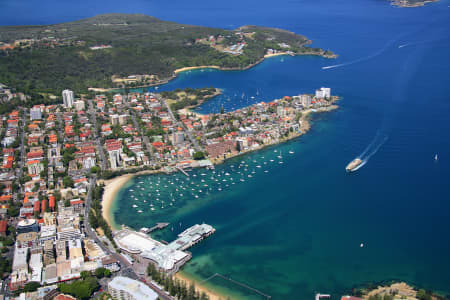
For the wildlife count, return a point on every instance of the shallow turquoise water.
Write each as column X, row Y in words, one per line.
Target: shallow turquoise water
column 297, row 229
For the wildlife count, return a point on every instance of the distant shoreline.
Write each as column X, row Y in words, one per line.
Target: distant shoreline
column 409, row 4
column 185, row 69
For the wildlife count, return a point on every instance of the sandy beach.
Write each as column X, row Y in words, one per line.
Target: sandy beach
column 195, row 68
column 213, row 295
column 277, row 54
column 112, row 186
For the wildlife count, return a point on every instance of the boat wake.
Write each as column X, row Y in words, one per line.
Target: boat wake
column 372, row 149
column 373, row 55
column 331, row 67
column 436, row 40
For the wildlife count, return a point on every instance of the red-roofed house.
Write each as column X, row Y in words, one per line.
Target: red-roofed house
column 5, row 198
column 51, row 202
column 3, row 227
column 159, row 146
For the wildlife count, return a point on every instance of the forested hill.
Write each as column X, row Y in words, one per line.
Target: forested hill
column 87, row 53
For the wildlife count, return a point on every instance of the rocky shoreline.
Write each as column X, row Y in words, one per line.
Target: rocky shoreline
column 411, row 3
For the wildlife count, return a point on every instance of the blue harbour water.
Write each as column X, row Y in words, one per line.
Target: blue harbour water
column 296, row 229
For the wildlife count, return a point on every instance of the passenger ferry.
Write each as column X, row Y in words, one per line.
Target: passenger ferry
column 354, row 165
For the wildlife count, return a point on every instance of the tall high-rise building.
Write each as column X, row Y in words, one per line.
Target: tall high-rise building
column 323, row 93
column 67, row 98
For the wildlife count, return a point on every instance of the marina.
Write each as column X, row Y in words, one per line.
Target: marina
column 150, row 195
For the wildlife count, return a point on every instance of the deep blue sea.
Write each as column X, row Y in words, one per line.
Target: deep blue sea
column 297, row 229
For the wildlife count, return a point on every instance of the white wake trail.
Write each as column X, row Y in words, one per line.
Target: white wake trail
column 373, row 148
column 375, row 54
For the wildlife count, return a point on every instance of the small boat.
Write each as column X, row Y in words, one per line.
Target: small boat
column 291, row 152
column 354, row 165
column 436, row 157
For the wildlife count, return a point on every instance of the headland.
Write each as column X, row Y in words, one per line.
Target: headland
column 411, row 3
column 168, row 48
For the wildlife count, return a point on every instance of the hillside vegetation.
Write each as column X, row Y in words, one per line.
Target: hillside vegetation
column 51, row 58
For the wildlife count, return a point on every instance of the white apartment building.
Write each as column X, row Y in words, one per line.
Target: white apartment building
column 67, row 98
column 35, row 113
column 323, row 93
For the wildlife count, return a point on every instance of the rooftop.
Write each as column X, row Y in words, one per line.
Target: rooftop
column 140, row 243
column 136, row 289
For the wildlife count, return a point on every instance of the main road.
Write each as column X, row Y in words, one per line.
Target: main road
column 100, row 151
column 189, row 134
column 125, row 265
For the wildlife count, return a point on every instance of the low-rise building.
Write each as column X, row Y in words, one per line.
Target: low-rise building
column 124, row 288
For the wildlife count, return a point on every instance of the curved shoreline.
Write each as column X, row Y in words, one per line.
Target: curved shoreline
column 185, row 69
column 112, row 187
column 212, row 294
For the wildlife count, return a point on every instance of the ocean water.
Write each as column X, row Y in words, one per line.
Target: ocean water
column 297, row 229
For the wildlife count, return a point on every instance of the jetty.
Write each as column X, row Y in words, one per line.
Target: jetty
column 182, row 171
column 156, row 227
column 319, row 296
column 167, row 257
